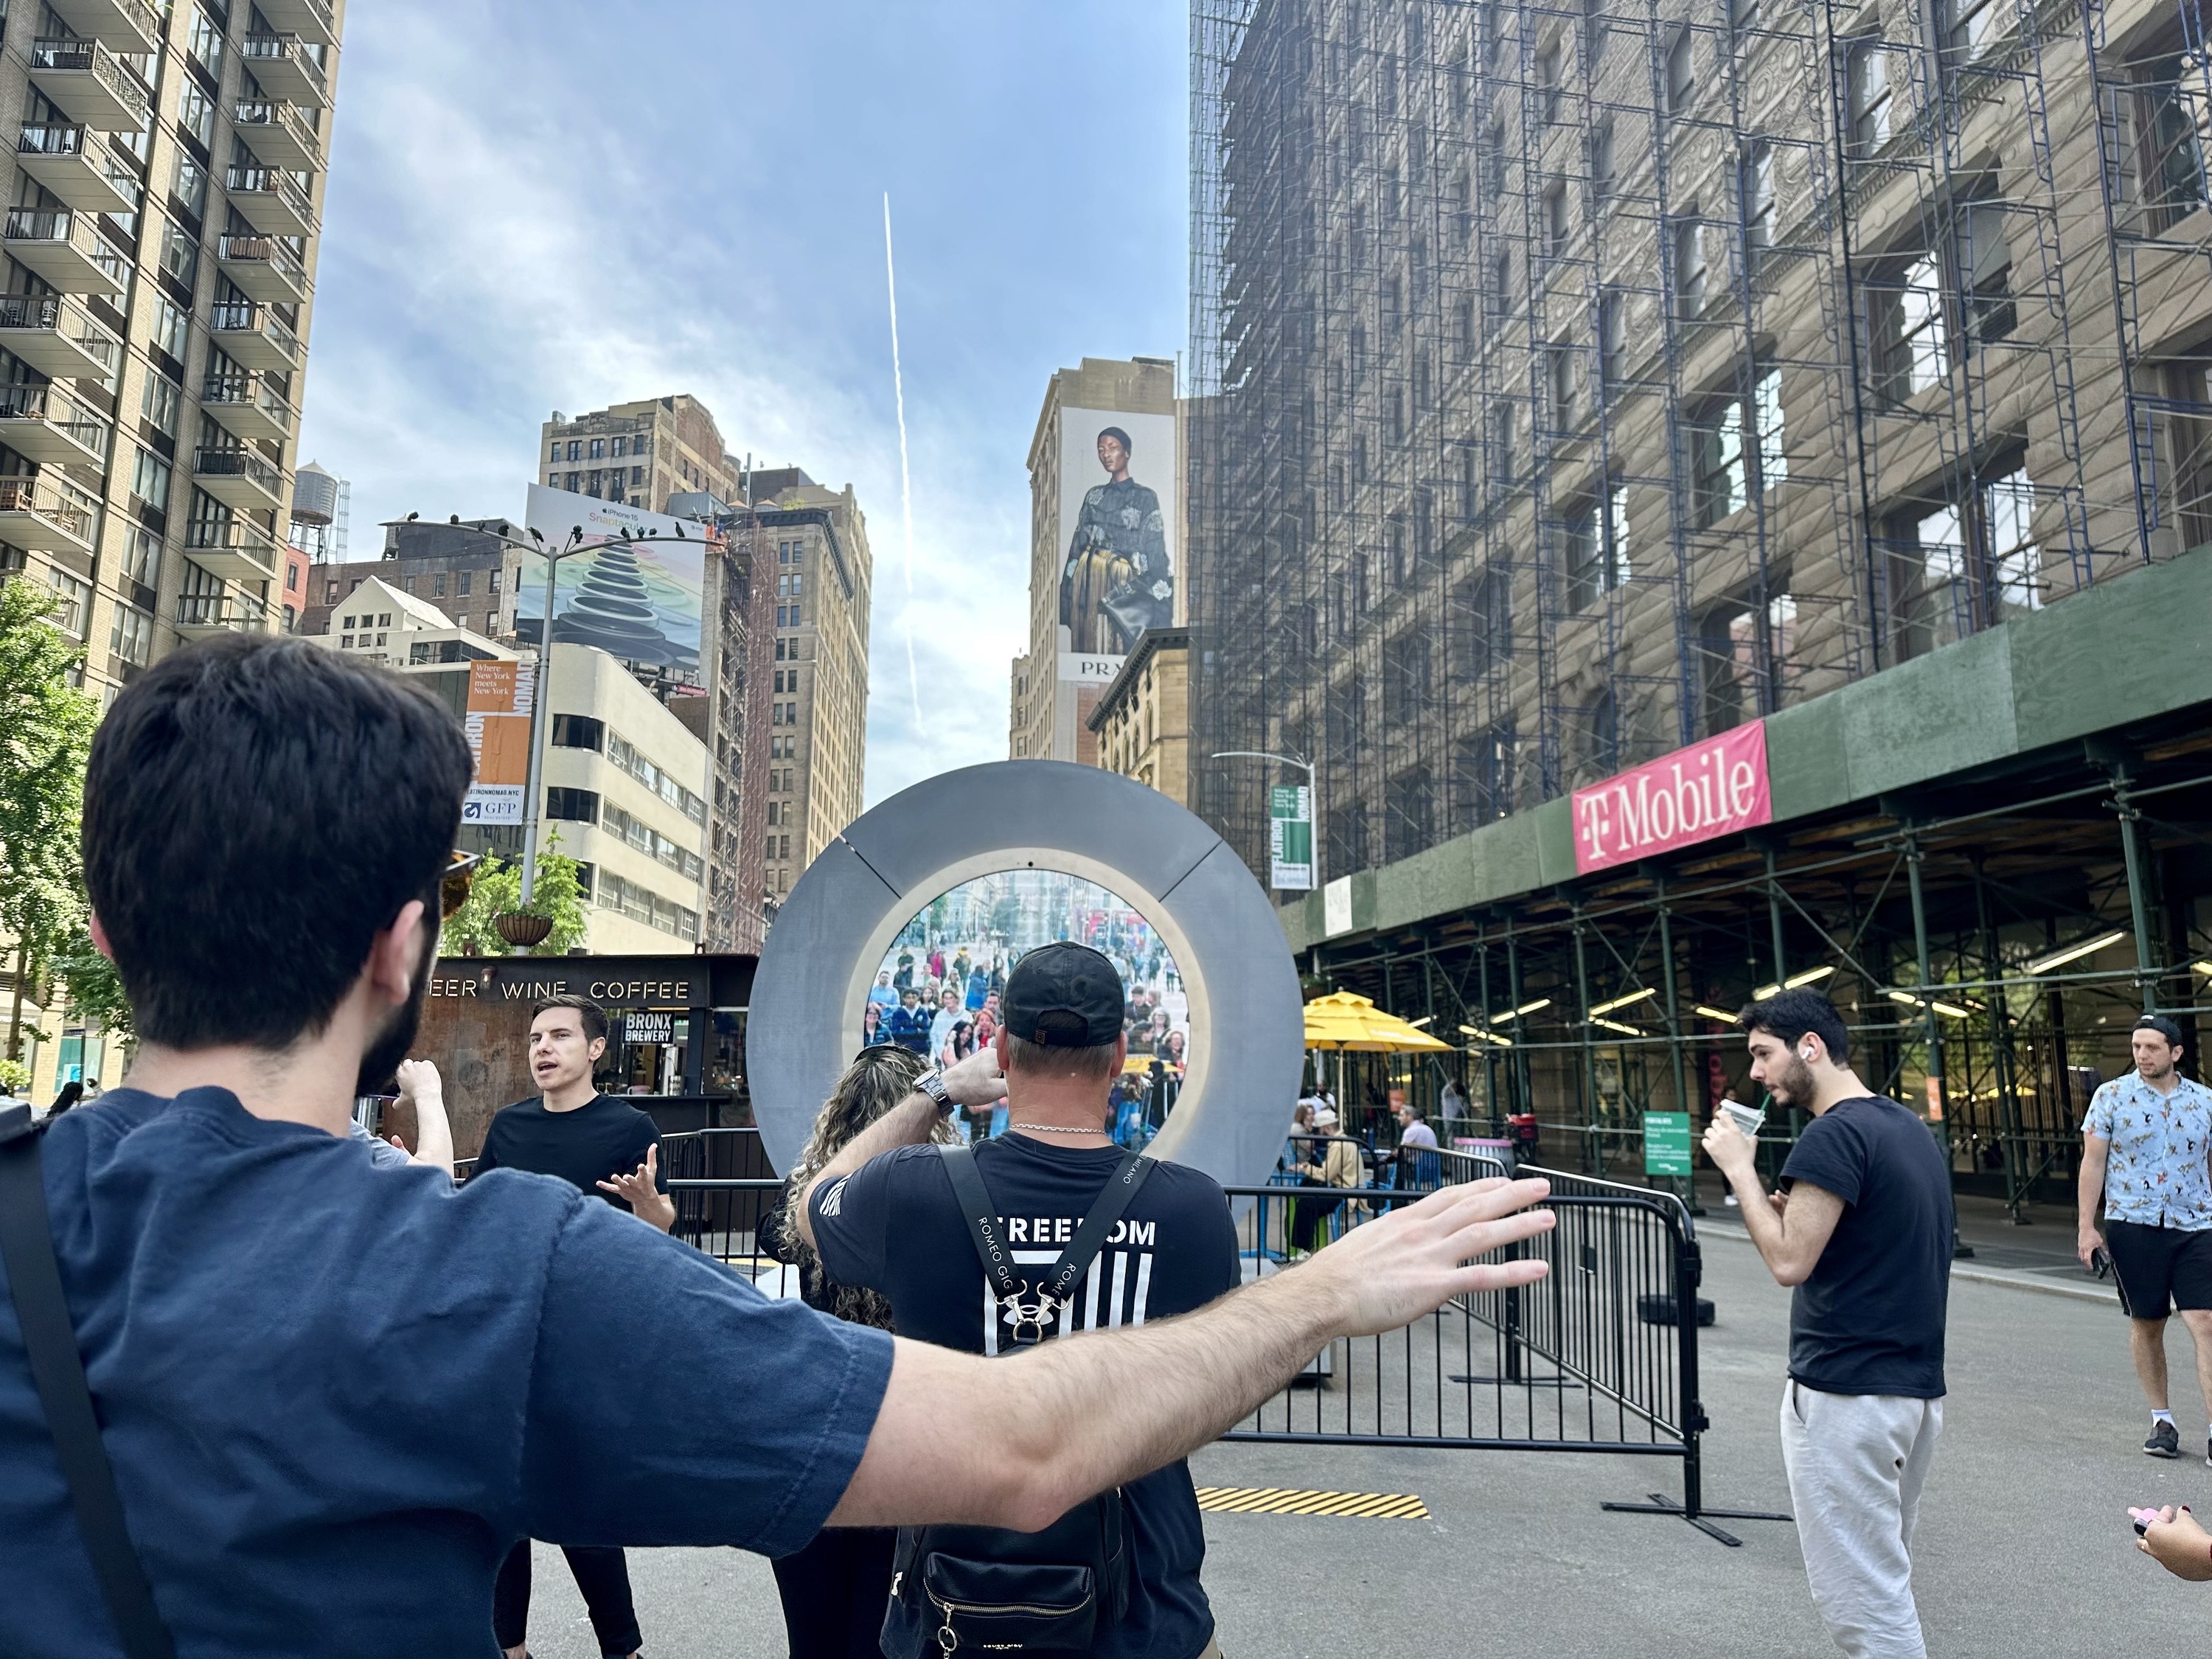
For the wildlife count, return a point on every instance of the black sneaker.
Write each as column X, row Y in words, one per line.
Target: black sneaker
column 2166, row 1441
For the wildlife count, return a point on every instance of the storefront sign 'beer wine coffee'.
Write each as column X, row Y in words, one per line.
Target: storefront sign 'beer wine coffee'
column 1717, row 787
column 498, row 727
column 1289, row 838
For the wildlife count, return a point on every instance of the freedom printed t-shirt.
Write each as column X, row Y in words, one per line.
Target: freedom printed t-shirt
column 2156, row 1175
column 894, row 1226
column 334, row 1395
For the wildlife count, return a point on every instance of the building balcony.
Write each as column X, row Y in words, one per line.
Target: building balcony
column 280, row 64
column 126, row 25
column 246, row 406
column 87, row 83
column 72, row 163
column 235, row 550
column 263, row 268
column 311, row 20
column 270, row 200
column 58, row 337
column 47, row 516
column 252, row 335
column 65, row 249
column 239, row 478
column 44, row 424
column 280, row 134
column 200, row 615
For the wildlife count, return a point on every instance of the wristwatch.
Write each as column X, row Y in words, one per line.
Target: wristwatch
column 932, row 1083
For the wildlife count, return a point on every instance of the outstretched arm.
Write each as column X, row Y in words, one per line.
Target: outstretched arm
column 421, row 1087
column 1017, row 1441
column 974, row 1081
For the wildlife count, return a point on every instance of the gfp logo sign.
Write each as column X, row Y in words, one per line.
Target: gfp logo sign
column 1712, row 788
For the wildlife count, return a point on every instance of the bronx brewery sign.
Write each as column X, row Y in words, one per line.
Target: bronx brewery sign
column 1712, row 788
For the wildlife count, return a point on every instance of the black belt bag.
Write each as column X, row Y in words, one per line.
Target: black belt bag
column 1052, row 1591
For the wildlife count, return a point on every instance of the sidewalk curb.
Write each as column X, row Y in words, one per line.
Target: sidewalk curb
column 1998, row 1276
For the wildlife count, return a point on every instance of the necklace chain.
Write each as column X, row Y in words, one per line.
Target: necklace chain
column 1054, row 1129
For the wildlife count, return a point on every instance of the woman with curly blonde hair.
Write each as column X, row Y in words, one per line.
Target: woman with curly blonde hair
column 836, row 1589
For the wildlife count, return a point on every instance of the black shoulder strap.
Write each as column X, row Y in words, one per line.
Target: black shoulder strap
column 1074, row 1261
column 26, row 1246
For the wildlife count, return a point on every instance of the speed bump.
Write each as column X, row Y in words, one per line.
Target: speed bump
column 1278, row 1500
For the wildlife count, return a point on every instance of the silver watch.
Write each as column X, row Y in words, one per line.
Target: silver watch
column 932, row 1083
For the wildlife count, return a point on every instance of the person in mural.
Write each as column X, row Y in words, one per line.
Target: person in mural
column 1117, row 582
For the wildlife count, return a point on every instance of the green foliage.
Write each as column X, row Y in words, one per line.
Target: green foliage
column 559, row 893
column 46, row 734
column 95, row 990
column 15, row 1076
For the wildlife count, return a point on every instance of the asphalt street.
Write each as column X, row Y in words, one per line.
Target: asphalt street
column 2024, row 1550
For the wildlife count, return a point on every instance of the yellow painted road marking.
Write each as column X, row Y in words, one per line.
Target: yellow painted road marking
column 1275, row 1500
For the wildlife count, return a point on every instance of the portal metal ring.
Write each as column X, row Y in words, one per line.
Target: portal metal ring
column 829, row 938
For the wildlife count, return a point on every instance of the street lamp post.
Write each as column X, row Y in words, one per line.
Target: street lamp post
column 1313, row 788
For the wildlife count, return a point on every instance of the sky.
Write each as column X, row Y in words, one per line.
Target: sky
column 564, row 205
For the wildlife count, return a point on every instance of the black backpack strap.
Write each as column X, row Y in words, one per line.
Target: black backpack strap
column 26, row 1246
column 1074, row 1261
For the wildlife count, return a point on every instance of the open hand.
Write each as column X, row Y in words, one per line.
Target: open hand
column 1392, row 1271
column 641, row 1190
column 2177, row 1543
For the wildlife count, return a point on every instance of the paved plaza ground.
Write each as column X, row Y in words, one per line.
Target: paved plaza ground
column 2024, row 1550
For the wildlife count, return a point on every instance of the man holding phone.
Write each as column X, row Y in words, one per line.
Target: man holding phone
column 2143, row 1148
column 1861, row 1230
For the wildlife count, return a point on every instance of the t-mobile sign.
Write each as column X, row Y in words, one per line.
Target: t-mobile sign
column 1715, row 787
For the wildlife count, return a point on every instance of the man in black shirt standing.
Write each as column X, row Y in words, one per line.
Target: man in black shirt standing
column 1862, row 1228
column 882, row 1214
column 602, row 1144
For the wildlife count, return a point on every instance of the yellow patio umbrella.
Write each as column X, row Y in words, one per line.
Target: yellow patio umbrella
column 1343, row 1021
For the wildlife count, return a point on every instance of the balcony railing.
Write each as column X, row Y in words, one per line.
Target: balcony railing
column 238, row 463
column 69, row 509
column 235, row 317
column 262, row 250
column 89, row 56
column 216, row 610
column 56, row 314
column 248, row 391
column 256, row 115
column 272, row 181
column 235, row 537
column 73, row 230
column 258, row 50
column 54, row 407
column 51, row 139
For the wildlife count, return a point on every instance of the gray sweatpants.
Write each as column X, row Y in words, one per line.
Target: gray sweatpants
column 1857, row 1462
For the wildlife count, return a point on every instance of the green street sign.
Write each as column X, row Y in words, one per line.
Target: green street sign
column 1667, row 1143
column 1290, row 843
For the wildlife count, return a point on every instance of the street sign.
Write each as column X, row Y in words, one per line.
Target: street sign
column 1667, row 1143
column 1289, row 838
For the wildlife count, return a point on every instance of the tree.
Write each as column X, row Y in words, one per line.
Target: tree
column 46, row 735
column 558, row 893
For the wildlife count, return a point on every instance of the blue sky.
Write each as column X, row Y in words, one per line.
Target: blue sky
column 559, row 206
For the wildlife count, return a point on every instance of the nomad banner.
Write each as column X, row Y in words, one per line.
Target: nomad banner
column 498, row 727
column 1717, row 787
column 1289, row 838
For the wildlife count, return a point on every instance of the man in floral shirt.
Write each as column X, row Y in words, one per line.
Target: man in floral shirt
column 2146, row 1141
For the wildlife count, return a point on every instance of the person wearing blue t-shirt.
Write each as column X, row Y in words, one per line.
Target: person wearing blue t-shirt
column 1861, row 1229
column 251, row 1297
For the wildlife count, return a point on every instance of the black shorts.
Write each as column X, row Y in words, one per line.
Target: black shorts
column 2159, row 1268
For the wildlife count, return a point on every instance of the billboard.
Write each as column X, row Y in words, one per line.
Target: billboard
column 640, row 603
column 1120, row 511
column 498, row 728
column 1289, row 838
column 1717, row 787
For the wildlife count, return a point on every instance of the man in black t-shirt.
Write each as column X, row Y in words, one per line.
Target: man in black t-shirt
column 1862, row 1228
column 893, row 1225
column 599, row 1144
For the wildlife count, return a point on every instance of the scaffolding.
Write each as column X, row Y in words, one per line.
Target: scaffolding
column 1573, row 380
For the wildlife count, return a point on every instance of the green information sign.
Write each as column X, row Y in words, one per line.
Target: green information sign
column 1667, row 1143
column 1290, row 831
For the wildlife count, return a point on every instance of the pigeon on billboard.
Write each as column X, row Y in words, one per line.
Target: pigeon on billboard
column 641, row 602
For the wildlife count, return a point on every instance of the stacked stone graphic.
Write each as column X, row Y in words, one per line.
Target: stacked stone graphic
column 612, row 611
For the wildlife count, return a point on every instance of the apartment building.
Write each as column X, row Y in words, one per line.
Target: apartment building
column 462, row 568
column 390, row 625
column 1140, row 726
column 819, row 687
column 638, row 453
column 162, row 243
column 1082, row 624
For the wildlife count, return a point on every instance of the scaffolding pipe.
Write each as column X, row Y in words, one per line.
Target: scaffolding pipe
column 2138, row 910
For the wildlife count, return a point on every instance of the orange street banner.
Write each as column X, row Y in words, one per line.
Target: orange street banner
column 498, row 726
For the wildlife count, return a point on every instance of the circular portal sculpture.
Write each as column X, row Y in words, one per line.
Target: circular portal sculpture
column 829, row 938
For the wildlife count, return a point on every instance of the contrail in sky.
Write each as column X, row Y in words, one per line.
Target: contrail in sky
column 906, row 486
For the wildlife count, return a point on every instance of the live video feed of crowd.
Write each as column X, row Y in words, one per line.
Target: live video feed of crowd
column 939, row 989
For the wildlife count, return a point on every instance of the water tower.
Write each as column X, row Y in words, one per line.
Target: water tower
column 318, row 503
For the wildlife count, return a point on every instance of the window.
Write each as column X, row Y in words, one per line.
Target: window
column 1407, row 679
column 1547, row 82
column 1681, row 74
column 636, row 477
column 150, row 480
column 1757, row 177
column 1773, row 458
column 576, row 482
column 188, row 183
column 1740, row 663
column 1869, row 96
column 1602, row 165
column 180, row 253
column 171, row 329
column 291, row 576
column 576, row 449
column 621, row 447
column 1908, row 337
column 1555, row 221
column 1984, row 261
column 1593, row 35
column 438, row 585
column 131, row 635
column 461, row 583
column 572, row 805
column 1559, row 371
column 1611, row 339
column 160, row 403
column 578, row 732
column 1970, row 27
column 492, row 587
column 72, row 613
column 2172, row 114
column 1689, row 266
column 2184, row 431
column 1409, row 814
column 1483, row 620
column 1482, row 776
column 555, row 454
column 1595, row 537
column 1600, row 735
column 331, row 593
column 196, row 114
column 1720, row 482
column 1961, row 561
column 599, row 449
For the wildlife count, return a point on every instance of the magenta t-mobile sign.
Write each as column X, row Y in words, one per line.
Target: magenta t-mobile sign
column 1715, row 787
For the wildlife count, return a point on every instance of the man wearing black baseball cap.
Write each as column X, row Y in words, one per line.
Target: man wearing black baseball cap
column 894, row 1224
